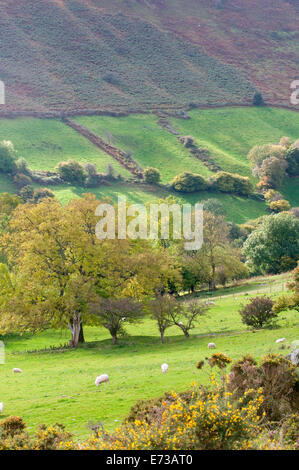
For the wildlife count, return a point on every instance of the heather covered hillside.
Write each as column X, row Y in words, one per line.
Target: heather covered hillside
column 129, row 54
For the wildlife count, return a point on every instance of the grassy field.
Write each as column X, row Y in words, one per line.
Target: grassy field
column 150, row 144
column 238, row 209
column 230, row 133
column 44, row 143
column 58, row 386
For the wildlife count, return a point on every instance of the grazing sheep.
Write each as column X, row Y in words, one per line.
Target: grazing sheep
column 1, row 408
column 164, row 368
column 211, row 346
column 17, row 371
column 124, row 318
column 280, row 340
column 101, row 379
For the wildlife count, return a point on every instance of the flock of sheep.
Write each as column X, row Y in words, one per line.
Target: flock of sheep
column 105, row 377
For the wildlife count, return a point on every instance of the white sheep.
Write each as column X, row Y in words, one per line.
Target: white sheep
column 181, row 323
column 101, row 379
column 16, row 370
column 211, row 303
column 1, row 408
column 164, row 368
column 211, row 346
column 280, row 340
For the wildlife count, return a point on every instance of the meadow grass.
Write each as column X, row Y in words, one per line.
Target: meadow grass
column 229, row 133
column 46, row 142
column 58, row 386
column 149, row 143
column 238, row 209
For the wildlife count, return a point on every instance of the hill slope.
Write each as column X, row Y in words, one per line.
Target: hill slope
column 120, row 54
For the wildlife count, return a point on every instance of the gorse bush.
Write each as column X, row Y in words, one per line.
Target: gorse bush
column 276, row 376
column 232, row 183
column 189, row 182
column 152, row 175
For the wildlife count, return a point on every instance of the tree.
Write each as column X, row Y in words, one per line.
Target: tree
column 71, row 171
column 152, row 175
column 113, row 314
column 273, row 242
column 290, row 302
column 215, row 234
column 7, row 157
column 161, row 309
column 215, row 206
column 259, row 153
column 258, row 312
column 61, row 267
column 292, row 158
column 274, row 169
column 258, row 99
column 189, row 182
column 186, row 316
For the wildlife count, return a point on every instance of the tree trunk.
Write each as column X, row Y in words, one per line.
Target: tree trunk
column 162, row 337
column 186, row 333
column 81, row 335
column 75, row 327
column 114, row 339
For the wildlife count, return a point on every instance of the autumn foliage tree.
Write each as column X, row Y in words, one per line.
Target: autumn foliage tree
column 59, row 267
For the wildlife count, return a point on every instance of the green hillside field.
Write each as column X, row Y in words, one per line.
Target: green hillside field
column 57, row 385
column 228, row 133
column 46, row 142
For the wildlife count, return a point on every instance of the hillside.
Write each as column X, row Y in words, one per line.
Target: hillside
column 132, row 54
column 53, row 390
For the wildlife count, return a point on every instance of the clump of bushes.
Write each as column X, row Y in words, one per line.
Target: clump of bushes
column 232, row 183
column 29, row 194
column 71, row 172
column 280, row 205
column 13, row 436
column 152, row 175
column 7, row 157
column 276, row 376
column 189, row 182
column 258, row 312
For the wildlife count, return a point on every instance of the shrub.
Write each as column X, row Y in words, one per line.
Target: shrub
column 258, row 313
column 232, row 183
column 27, row 193
column 292, row 158
column 189, row 182
column 285, row 142
column 215, row 206
column 258, row 99
column 22, row 166
column 280, row 205
column 7, row 157
column 43, row 193
column 11, row 426
column 21, row 180
column 275, row 375
column 274, row 169
column 152, row 175
column 71, row 171
column 204, row 421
